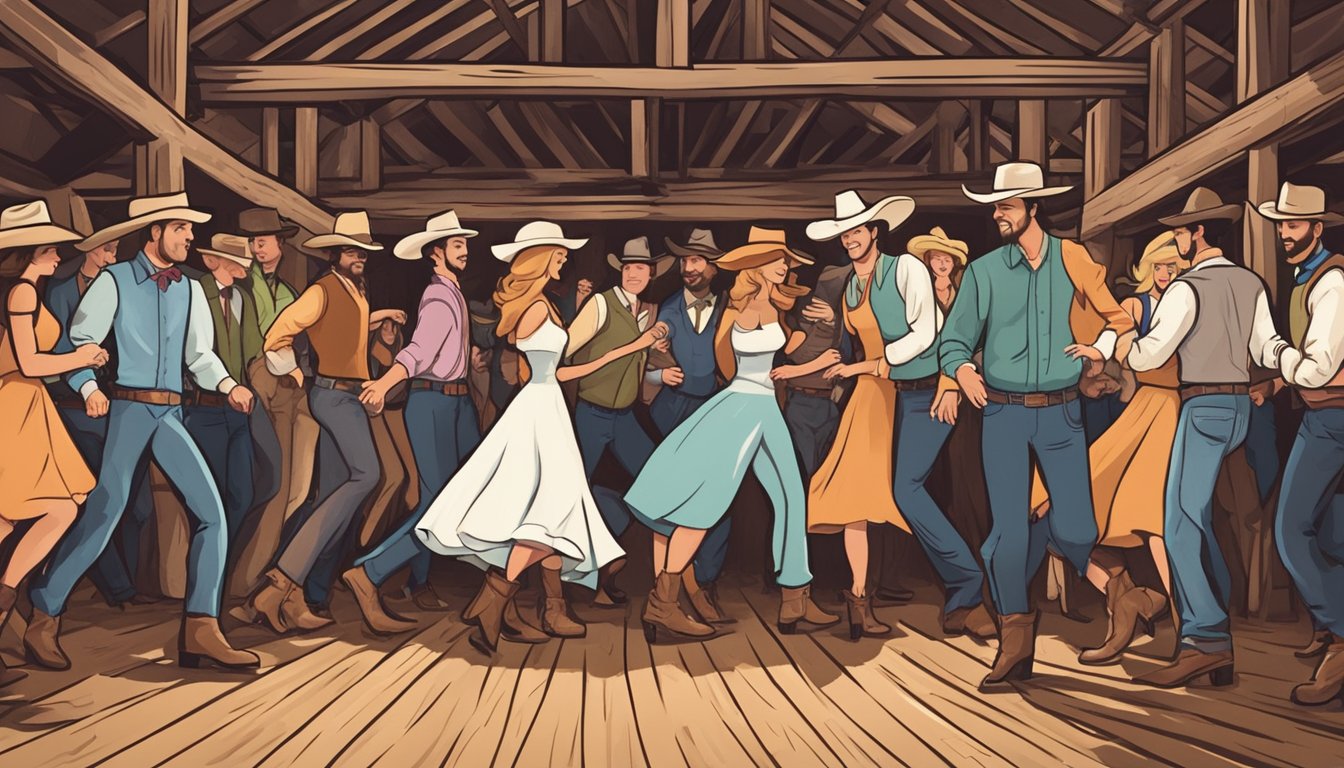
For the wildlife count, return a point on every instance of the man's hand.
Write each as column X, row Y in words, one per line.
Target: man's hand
column 783, row 372
column 819, row 311
column 945, row 408
column 479, row 362
column 90, row 356
column 373, row 396
column 240, row 399
column 1091, row 356
column 395, row 315
column 96, row 404
column 972, row 385
column 673, row 377
column 1266, row 390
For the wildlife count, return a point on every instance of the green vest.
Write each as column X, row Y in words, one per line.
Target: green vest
column 268, row 306
column 615, row 385
column 237, row 344
column 1298, row 317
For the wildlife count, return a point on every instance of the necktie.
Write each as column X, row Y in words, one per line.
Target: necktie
column 164, row 277
column 698, row 306
column 226, row 298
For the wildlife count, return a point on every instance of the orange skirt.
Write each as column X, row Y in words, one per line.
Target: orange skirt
column 854, row 483
column 39, row 463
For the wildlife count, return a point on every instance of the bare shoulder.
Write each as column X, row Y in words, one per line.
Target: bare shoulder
column 22, row 298
column 532, row 319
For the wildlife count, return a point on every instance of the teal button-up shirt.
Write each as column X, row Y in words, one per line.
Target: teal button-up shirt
column 1022, row 314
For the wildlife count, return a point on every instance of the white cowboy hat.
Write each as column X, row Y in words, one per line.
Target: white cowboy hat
column 107, row 234
column 851, row 211
column 535, row 233
column 1299, row 201
column 636, row 251
column 350, row 229
column 29, row 224
column 230, row 247
column 1015, row 180
column 937, row 240
column 144, row 211
column 440, row 227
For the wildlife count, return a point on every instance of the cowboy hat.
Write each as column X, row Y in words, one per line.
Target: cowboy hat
column 255, row 222
column 144, row 211
column 1203, row 205
column 937, row 240
column 636, row 251
column 851, row 211
column 350, row 229
column 106, row 235
column 532, row 234
column 440, row 227
column 230, row 247
column 700, row 244
column 762, row 247
column 1015, row 180
column 1299, row 201
column 29, row 224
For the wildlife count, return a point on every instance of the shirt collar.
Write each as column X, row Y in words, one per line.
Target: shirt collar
column 1307, row 268
column 1216, row 258
column 690, row 298
column 1014, row 254
column 626, row 299
column 143, row 267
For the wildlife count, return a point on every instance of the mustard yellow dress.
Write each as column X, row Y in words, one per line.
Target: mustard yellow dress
column 854, row 483
column 38, row 461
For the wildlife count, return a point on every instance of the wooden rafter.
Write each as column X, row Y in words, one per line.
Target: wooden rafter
column 221, row 18
column 300, row 29
column 368, row 25
column 118, row 28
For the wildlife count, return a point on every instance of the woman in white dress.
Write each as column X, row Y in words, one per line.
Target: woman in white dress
column 522, row 497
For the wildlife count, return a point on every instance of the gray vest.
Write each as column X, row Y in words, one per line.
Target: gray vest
column 1217, row 349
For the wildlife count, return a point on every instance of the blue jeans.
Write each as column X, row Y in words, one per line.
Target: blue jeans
column 1210, row 427
column 668, row 410
column 443, row 430
column 133, row 428
column 920, row 438
column 225, row 439
column 1099, row 414
column 113, row 577
column 1310, row 517
column 598, row 428
column 813, row 422
column 1016, row 546
column 1262, row 447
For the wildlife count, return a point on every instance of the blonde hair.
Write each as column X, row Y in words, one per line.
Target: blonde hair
column 520, row 289
column 1160, row 250
column 749, row 283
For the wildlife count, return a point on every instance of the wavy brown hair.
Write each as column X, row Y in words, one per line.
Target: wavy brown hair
column 749, row 283
column 522, row 287
column 13, row 262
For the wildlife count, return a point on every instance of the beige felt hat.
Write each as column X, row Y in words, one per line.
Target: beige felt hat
column 1203, row 205
column 144, row 211
column 701, row 243
column 636, row 251
column 851, row 211
column 440, row 227
column 350, row 229
column 1299, row 201
column 1015, row 180
column 230, row 247
column 760, row 249
column 29, row 224
column 937, row 240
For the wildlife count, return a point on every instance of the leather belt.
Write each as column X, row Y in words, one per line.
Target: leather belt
column 813, row 391
column 344, row 385
column 916, row 385
column 1195, row 390
column 456, row 388
column 146, row 396
column 68, row 401
column 203, row 399
column 1032, row 399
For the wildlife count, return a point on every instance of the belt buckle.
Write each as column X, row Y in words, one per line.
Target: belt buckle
column 1036, row 399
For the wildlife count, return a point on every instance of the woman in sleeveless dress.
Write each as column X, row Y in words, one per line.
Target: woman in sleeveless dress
column 690, row 480
column 1129, row 469
column 42, row 476
column 522, row 498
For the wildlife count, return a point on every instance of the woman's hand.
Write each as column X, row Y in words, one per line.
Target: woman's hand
column 653, row 335
column 783, row 372
column 945, row 409
column 90, row 356
column 395, row 315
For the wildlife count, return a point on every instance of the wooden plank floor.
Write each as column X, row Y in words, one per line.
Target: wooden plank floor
column 748, row 697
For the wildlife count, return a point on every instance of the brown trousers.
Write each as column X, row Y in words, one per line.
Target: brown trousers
column 399, row 474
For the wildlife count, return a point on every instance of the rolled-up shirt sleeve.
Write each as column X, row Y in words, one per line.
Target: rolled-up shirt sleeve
column 1318, row 361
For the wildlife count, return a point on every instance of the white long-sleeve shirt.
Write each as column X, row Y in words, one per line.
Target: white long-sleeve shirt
column 1318, row 361
column 915, row 285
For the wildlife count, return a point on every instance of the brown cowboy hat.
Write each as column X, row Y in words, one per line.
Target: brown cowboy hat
column 255, row 222
column 636, row 251
column 760, row 249
column 1203, row 205
column 701, row 243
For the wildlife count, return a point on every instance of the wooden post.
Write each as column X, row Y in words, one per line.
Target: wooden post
column 755, row 30
column 1262, row 63
column 305, row 150
column 673, row 45
column 159, row 164
column 1032, row 142
column 553, row 31
column 977, row 141
column 370, row 154
column 1101, row 162
column 947, row 157
column 645, row 121
column 270, row 140
column 1166, row 87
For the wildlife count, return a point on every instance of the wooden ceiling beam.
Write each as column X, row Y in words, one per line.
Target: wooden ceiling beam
column 398, row 37
column 300, row 29
column 470, row 124
column 371, row 24
column 221, row 18
column 785, row 133
column 118, row 28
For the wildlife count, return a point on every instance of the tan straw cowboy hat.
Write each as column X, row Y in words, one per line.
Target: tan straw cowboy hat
column 144, row 211
column 851, row 211
column 1011, row 180
column 1203, row 205
column 350, row 229
column 937, row 240
column 231, row 248
column 29, row 224
column 533, row 234
column 1299, row 201
column 107, row 234
column 636, row 251
column 440, row 227
column 762, row 247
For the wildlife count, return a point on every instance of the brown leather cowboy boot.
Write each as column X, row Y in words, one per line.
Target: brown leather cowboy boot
column 1192, row 663
column 42, row 642
column 512, row 625
column 608, row 594
column 495, row 595
column 1134, row 610
column 555, row 618
column 1326, row 684
column 861, row 619
column 663, row 609
column 796, row 605
column 7, row 599
column 1320, row 641
column 201, row 644
column 371, row 606
column 264, row 607
column 975, row 622
column 702, row 599
column 1017, row 651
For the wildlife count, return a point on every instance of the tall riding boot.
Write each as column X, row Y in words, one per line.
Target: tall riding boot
column 201, row 643
column 1017, row 650
column 555, row 618
column 703, row 599
column 608, row 594
column 7, row 599
column 494, row 597
column 664, row 610
column 796, row 605
column 42, row 642
column 1133, row 611
column 861, row 619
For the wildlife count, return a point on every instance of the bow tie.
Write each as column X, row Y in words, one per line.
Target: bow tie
column 164, row 277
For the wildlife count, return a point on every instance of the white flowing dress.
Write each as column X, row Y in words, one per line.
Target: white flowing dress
column 525, row 482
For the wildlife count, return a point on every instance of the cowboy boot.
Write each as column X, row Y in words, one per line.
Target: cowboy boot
column 796, row 605
column 370, row 605
column 512, row 625
column 201, row 644
column 702, row 599
column 1192, row 663
column 1117, row 585
column 1320, row 641
column 496, row 593
column 1017, row 651
column 663, row 609
column 861, row 619
column 42, row 642
column 975, row 622
column 265, row 605
column 1326, row 684
column 7, row 599
column 1133, row 611
column 609, row 595
column 426, row 599
column 555, row 618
